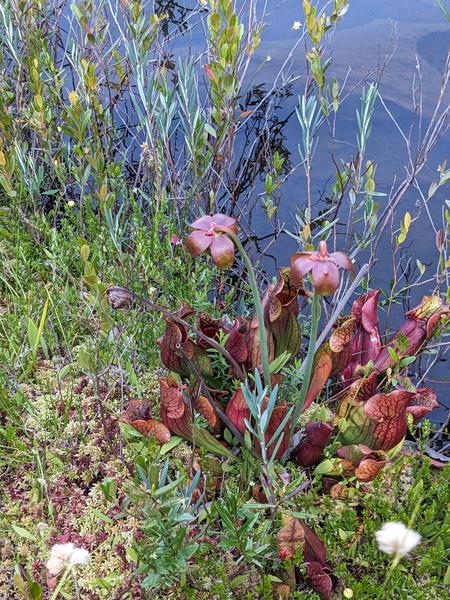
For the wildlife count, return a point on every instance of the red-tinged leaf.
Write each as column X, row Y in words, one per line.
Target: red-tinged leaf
column 430, row 306
column 433, row 322
column 203, row 406
column 339, row 491
column 368, row 312
column 310, row 449
column 359, row 391
column 357, row 453
column 342, row 335
column 237, row 410
column 314, row 549
column 319, row 575
column 378, row 422
column 296, row 534
column 434, row 462
column 423, row 402
column 280, row 305
column 119, row 297
column 278, row 414
column 245, row 113
column 319, row 578
column 173, row 410
column 138, row 413
column 331, row 358
column 414, row 332
column 137, row 409
column 366, row 343
column 153, row 428
column 236, row 343
column 420, row 326
column 253, row 340
column 210, row 327
column 174, row 339
column 210, row 73
column 341, row 344
column 388, row 413
column 322, row 367
column 172, row 398
column 369, row 468
column 289, row 539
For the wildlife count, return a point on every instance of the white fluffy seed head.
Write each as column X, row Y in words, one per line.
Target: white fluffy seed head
column 63, row 555
column 79, row 556
column 59, row 558
column 395, row 538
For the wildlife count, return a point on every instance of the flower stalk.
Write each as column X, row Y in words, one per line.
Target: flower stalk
column 315, row 318
column 257, row 303
column 62, row 581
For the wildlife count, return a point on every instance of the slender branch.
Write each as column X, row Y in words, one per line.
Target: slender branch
column 173, row 317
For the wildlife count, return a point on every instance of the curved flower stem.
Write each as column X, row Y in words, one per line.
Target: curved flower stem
column 315, row 318
column 256, row 301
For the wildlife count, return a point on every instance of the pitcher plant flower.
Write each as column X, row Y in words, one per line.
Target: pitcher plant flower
column 324, row 268
column 206, row 236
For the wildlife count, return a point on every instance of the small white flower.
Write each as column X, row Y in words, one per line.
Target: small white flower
column 64, row 555
column 348, row 593
column 268, row 58
column 296, row 25
column 71, row 204
column 395, row 538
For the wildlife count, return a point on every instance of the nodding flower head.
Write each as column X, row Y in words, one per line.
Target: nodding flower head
column 324, row 268
column 206, row 236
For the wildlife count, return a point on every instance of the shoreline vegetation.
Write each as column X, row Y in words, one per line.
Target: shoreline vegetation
column 178, row 419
